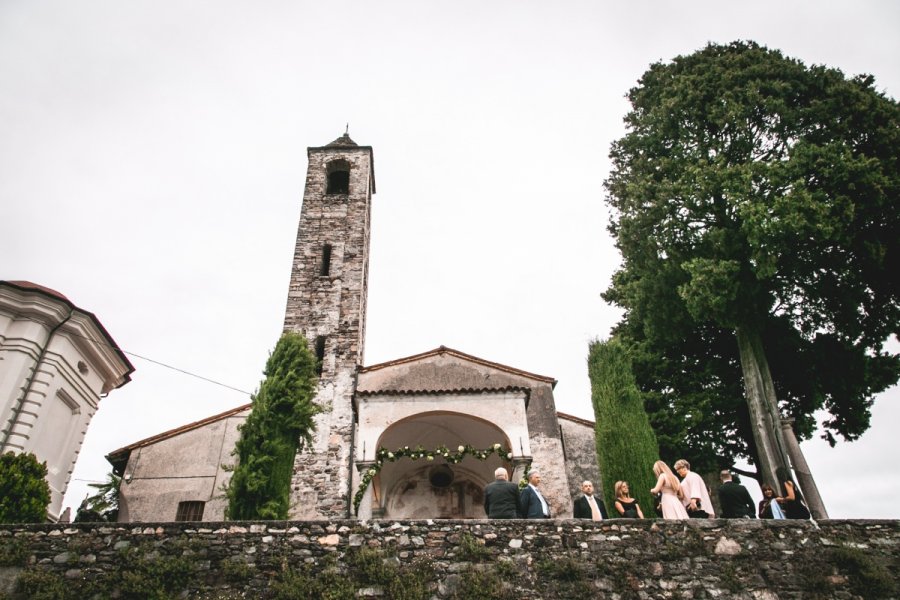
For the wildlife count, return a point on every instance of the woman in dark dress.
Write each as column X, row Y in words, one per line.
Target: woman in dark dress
column 765, row 505
column 791, row 500
column 627, row 506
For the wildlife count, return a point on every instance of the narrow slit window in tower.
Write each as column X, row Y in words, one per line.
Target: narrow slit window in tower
column 320, row 353
column 325, row 267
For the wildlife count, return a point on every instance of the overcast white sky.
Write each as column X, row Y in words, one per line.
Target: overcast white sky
column 153, row 155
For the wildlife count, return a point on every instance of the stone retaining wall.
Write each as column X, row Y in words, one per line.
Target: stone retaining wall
column 454, row 559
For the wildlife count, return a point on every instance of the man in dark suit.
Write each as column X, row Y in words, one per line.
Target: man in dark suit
column 501, row 497
column 735, row 499
column 589, row 506
column 531, row 502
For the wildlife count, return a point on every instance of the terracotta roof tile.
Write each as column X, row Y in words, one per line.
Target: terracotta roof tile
column 120, row 456
column 463, row 355
column 574, row 419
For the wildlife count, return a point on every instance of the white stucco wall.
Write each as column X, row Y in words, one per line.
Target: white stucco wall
column 52, row 376
column 503, row 410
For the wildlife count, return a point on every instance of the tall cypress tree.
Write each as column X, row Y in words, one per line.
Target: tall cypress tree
column 626, row 444
column 279, row 425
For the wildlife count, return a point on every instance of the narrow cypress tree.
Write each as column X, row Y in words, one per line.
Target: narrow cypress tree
column 626, row 444
column 279, row 425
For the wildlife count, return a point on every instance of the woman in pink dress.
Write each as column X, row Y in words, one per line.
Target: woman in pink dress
column 667, row 483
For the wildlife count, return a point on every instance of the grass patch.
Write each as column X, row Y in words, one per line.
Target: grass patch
column 39, row 584
column 13, row 553
column 479, row 584
column 472, row 549
column 868, row 578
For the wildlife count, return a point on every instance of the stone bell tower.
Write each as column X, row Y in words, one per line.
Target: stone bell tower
column 327, row 303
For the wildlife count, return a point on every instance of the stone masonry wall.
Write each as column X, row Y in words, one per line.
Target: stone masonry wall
column 646, row 559
column 332, row 306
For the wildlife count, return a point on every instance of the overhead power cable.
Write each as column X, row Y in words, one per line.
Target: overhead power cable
column 162, row 364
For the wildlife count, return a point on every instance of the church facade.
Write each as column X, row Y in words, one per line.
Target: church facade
column 442, row 398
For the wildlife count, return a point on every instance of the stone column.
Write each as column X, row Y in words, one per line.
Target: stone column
column 519, row 464
column 365, row 507
column 802, row 471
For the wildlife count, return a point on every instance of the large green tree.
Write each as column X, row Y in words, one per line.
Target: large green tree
column 755, row 204
column 626, row 445
column 24, row 491
column 279, row 425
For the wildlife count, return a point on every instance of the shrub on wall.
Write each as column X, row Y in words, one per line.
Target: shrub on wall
column 24, row 491
column 102, row 506
column 626, row 444
column 280, row 423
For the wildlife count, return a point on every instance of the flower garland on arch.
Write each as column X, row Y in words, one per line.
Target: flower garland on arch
column 384, row 455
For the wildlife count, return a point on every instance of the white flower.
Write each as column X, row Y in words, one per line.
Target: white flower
column 496, row 446
column 373, row 472
column 390, row 455
column 461, row 448
column 509, row 455
column 430, row 458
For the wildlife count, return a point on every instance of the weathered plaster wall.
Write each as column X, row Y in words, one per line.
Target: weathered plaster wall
column 647, row 559
column 185, row 467
column 581, row 453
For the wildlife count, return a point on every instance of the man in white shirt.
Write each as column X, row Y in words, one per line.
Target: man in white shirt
column 696, row 496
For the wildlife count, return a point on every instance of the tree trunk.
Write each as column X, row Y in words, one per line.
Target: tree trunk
column 765, row 418
column 808, row 485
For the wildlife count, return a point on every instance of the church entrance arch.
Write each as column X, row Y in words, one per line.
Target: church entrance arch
column 420, row 489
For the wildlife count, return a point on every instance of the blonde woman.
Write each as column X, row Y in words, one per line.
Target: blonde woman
column 626, row 506
column 667, row 484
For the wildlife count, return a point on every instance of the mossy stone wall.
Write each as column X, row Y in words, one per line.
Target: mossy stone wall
column 453, row 559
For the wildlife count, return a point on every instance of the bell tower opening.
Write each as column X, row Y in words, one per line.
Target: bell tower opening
column 338, row 177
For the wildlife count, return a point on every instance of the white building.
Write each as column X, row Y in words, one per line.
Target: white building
column 56, row 363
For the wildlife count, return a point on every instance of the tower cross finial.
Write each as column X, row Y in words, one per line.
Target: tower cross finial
column 347, row 129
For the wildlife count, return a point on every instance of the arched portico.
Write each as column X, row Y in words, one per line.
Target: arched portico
column 437, row 489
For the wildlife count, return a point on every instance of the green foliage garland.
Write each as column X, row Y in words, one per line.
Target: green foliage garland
column 280, row 423
column 24, row 491
column 384, row 455
column 626, row 444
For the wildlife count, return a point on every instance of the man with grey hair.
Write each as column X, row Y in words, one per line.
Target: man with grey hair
column 501, row 497
column 696, row 497
column 531, row 501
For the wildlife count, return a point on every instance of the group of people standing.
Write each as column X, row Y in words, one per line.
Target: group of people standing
column 689, row 498
column 684, row 499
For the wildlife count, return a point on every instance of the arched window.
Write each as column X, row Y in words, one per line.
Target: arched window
column 338, row 172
